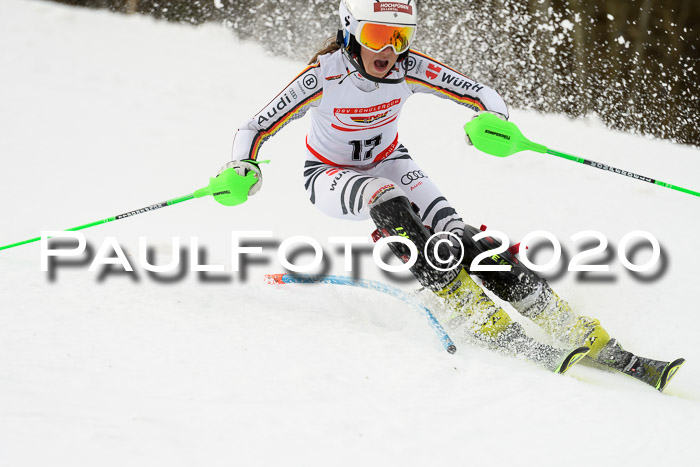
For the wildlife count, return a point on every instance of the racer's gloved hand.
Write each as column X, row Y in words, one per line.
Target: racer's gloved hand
column 235, row 181
column 497, row 114
column 242, row 168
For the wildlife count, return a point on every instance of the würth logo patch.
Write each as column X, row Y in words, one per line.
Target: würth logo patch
column 394, row 7
column 433, row 71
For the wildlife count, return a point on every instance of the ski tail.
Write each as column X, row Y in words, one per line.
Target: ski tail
column 668, row 373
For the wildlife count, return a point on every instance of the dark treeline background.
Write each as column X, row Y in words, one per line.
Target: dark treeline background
column 633, row 63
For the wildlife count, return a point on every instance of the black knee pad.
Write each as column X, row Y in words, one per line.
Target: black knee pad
column 511, row 286
column 396, row 216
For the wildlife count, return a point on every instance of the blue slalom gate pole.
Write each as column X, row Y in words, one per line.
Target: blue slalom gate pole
column 372, row 285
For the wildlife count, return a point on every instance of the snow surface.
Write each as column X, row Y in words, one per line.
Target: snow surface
column 102, row 113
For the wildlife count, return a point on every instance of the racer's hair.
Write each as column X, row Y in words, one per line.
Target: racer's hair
column 329, row 45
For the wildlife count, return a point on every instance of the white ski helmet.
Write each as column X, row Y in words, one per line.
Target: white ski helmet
column 376, row 25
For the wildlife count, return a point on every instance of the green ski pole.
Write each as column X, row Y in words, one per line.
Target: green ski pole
column 228, row 188
column 490, row 134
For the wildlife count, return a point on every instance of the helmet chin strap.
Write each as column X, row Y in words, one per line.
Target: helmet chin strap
column 360, row 67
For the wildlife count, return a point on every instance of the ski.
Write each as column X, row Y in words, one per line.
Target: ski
column 655, row 373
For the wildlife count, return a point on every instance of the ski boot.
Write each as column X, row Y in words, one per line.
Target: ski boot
column 555, row 316
column 531, row 296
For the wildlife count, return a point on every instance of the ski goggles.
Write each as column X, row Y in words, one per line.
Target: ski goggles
column 377, row 37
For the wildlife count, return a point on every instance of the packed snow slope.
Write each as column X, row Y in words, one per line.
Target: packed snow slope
column 102, row 114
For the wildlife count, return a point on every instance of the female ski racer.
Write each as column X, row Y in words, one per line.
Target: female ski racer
column 356, row 168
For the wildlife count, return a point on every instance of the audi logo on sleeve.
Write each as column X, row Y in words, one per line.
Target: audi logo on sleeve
column 411, row 177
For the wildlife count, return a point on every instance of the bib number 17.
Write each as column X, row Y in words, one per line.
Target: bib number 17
column 362, row 149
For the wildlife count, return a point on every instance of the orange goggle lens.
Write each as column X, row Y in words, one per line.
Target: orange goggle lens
column 378, row 36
